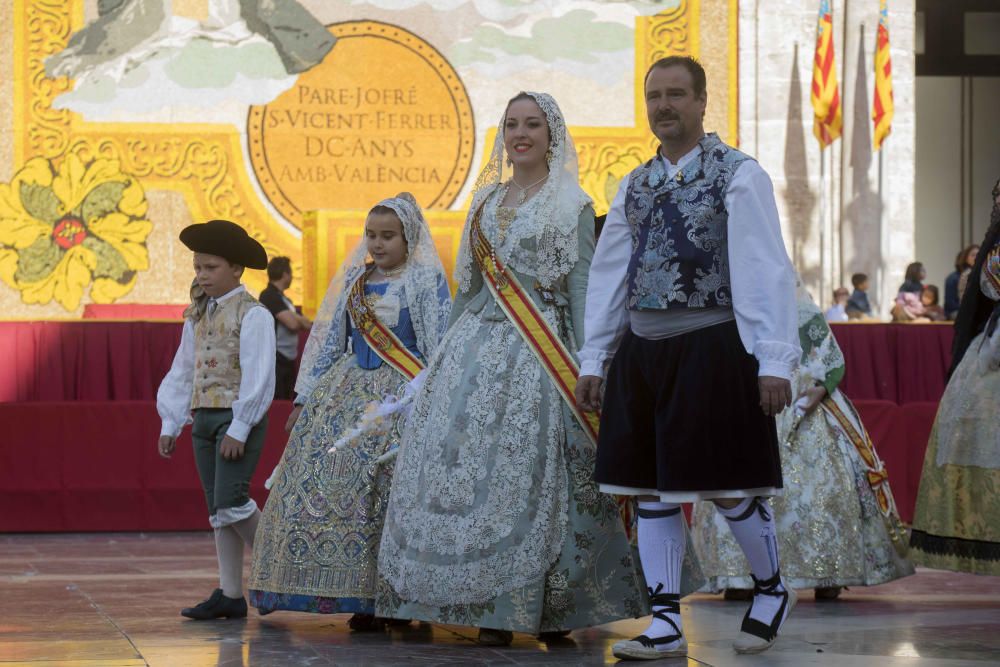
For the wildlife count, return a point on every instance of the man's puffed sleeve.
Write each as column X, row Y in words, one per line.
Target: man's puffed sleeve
column 761, row 275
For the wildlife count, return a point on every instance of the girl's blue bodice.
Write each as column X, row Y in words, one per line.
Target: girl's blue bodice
column 366, row 357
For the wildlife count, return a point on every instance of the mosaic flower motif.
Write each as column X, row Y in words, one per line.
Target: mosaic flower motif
column 65, row 228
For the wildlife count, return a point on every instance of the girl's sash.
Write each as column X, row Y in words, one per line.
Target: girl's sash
column 378, row 336
column 875, row 473
column 517, row 304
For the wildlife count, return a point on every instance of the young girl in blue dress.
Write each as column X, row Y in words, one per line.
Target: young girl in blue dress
column 317, row 545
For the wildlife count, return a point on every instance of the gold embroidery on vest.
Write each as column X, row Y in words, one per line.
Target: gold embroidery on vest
column 217, row 373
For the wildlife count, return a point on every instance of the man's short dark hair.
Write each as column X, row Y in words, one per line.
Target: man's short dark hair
column 693, row 67
column 277, row 267
column 859, row 279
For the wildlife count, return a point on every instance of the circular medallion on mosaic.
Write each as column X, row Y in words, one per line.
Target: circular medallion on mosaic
column 383, row 112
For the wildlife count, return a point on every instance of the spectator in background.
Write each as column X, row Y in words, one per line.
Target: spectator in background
column 858, row 307
column 952, row 293
column 918, row 307
column 914, row 281
column 838, row 311
column 287, row 325
column 963, row 279
column 929, row 297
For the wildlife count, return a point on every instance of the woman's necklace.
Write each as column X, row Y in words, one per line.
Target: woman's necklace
column 523, row 194
column 506, row 214
column 389, row 273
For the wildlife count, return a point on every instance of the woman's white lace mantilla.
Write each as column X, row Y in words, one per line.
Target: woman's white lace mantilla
column 550, row 218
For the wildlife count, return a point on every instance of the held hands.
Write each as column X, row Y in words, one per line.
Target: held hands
column 292, row 418
column 775, row 394
column 166, row 445
column 588, row 393
column 231, row 448
column 813, row 397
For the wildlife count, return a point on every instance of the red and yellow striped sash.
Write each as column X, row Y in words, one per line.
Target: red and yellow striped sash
column 876, row 474
column 378, row 336
column 517, row 304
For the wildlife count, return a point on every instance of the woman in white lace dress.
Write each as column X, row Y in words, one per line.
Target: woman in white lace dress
column 494, row 519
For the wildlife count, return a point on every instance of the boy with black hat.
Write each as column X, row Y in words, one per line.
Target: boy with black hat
column 224, row 372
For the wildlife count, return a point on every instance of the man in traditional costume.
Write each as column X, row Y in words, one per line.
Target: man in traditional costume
column 223, row 373
column 837, row 521
column 693, row 295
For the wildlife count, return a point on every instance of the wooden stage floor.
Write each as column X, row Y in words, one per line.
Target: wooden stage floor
column 112, row 600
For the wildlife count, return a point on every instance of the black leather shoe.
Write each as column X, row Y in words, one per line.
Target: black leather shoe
column 217, row 606
column 366, row 623
column 491, row 637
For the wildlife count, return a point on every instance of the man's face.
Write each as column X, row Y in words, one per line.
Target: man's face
column 286, row 281
column 673, row 110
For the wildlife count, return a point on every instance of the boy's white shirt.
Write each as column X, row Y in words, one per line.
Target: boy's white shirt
column 257, row 350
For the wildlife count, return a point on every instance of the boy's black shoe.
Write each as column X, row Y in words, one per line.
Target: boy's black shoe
column 217, row 606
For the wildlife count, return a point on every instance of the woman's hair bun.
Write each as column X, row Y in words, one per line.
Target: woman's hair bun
column 408, row 197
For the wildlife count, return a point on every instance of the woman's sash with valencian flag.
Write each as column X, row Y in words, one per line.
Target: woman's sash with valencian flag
column 517, row 304
column 378, row 336
column 875, row 473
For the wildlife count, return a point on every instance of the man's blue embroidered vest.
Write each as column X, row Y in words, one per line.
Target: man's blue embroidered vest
column 680, row 256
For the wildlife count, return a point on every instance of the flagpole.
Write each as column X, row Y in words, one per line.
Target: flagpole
column 822, row 224
column 880, row 277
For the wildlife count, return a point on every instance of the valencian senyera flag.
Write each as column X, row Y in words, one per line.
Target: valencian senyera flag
column 827, row 117
column 882, row 108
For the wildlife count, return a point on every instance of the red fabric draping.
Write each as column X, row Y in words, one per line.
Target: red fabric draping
column 900, row 436
column 125, row 360
column 93, row 466
column 133, row 311
column 80, row 425
column 85, row 360
column 89, row 466
column 902, row 363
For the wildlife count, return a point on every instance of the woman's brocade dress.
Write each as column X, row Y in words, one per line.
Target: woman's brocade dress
column 956, row 524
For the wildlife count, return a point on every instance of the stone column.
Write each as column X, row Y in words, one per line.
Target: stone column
column 858, row 217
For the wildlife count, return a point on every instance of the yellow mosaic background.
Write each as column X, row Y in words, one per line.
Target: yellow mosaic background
column 148, row 180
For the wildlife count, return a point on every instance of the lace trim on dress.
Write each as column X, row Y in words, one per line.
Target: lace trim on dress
column 469, row 537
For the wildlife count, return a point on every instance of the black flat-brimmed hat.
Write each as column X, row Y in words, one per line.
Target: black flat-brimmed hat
column 225, row 239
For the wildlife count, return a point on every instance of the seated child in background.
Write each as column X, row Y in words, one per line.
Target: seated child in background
column 858, row 307
column 918, row 307
column 929, row 297
column 837, row 312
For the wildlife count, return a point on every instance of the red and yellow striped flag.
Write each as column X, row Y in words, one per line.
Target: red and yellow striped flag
column 827, row 117
column 882, row 107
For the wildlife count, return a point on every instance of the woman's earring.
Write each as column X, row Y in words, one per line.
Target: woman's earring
column 510, row 163
column 548, row 155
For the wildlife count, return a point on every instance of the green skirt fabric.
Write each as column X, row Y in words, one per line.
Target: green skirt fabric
column 956, row 525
